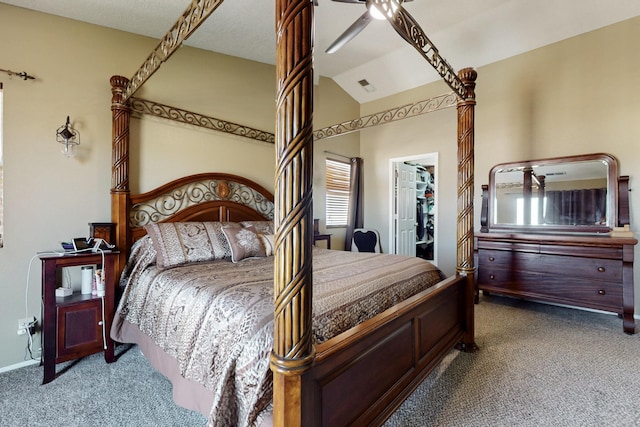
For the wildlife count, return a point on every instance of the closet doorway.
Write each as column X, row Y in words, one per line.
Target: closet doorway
column 413, row 228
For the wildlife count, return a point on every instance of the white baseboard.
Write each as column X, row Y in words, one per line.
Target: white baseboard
column 18, row 365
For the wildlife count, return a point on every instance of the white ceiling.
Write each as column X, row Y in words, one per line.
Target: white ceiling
column 468, row 33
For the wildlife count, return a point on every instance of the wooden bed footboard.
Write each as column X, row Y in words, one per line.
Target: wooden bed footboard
column 362, row 376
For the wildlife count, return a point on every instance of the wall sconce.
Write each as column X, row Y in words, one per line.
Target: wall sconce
column 69, row 137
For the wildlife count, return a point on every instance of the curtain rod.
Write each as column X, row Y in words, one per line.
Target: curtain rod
column 23, row 75
column 336, row 154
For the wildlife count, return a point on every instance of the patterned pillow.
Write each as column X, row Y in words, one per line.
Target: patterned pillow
column 244, row 243
column 263, row 227
column 268, row 243
column 179, row 243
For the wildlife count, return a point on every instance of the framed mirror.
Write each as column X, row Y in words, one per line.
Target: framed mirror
column 565, row 194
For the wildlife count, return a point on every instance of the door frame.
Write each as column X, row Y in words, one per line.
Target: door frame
column 425, row 159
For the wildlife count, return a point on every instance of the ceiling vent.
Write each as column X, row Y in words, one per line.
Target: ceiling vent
column 366, row 85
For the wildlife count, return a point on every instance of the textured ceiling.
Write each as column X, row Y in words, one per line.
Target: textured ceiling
column 468, row 33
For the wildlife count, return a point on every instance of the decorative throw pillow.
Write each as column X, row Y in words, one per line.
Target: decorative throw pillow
column 268, row 243
column 244, row 243
column 179, row 243
column 262, row 227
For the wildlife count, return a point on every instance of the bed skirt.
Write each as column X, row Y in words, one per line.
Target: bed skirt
column 186, row 393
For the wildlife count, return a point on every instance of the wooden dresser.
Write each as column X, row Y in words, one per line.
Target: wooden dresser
column 590, row 271
column 546, row 234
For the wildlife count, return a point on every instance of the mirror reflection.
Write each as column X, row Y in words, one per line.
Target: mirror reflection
column 561, row 192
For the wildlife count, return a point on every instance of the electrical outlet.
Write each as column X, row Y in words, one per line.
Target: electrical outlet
column 27, row 325
column 23, row 326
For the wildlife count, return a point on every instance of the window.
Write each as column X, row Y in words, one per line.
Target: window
column 520, row 219
column 338, row 176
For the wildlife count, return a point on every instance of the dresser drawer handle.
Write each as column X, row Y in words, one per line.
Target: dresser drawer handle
column 601, row 269
column 491, row 259
column 601, row 292
column 491, row 276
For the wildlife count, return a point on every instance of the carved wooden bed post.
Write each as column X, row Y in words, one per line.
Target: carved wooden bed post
column 121, row 115
column 293, row 350
column 466, row 107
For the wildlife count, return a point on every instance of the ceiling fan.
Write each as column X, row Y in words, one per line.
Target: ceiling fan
column 360, row 23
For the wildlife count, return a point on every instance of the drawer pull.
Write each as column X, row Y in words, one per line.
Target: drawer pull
column 491, row 276
column 491, row 259
column 601, row 269
column 601, row 292
column 100, row 323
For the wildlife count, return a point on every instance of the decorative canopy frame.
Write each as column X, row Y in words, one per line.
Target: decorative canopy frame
column 145, row 107
column 293, row 352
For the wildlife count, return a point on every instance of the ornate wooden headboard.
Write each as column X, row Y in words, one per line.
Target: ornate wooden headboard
column 201, row 197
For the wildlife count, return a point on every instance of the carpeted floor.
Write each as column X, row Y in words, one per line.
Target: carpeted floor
column 538, row 365
column 90, row 392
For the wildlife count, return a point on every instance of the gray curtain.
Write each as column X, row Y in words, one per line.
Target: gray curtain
column 355, row 217
column 576, row 207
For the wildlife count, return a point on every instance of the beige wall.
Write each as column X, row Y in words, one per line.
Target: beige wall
column 431, row 133
column 49, row 198
column 573, row 97
column 330, row 108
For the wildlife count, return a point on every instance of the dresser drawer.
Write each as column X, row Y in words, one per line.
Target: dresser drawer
column 525, row 261
column 552, row 288
column 609, row 270
column 491, row 278
column 582, row 251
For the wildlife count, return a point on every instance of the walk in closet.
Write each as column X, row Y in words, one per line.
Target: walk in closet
column 425, row 211
column 414, row 216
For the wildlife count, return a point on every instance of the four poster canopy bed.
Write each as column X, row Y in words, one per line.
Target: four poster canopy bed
column 226, row 295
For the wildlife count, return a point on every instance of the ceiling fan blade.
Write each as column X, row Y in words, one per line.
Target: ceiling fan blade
column 351, row 32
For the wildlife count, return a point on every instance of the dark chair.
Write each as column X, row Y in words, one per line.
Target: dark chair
column 366, row 240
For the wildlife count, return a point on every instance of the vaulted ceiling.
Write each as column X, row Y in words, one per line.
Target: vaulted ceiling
column 468, row 33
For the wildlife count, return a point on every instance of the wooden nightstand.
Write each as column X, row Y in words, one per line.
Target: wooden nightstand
column 325, row 237
column 75, row 326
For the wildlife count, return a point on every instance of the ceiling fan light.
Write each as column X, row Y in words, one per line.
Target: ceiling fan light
column 375, row 12
column 386, row 10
